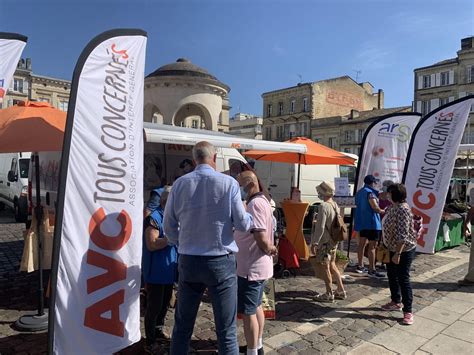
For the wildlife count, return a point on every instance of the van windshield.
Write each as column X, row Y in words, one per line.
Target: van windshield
column 24, row 166
column 348, row 171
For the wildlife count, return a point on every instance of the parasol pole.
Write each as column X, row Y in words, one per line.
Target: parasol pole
column 299, row 171
column 39, row 321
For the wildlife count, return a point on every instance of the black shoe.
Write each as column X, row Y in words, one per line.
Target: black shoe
column 243, row 350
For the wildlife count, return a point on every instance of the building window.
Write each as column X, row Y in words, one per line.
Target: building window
column 18, row 85
column 305, row 104
column 304, row 129
column 347, row 150
column 332, row 142
column 360, row 135
column 470, row 74
column 425, row 107
column 269, row 110
column 443, row 101
column 348, row 136
column 268, row 133
column 445, row 78
column 63, row 105
column 317, row 140
column 426, row 81
column 194, row 124
column 292, row 106
column 280, row 132
column 43, row 99
column 280, row 108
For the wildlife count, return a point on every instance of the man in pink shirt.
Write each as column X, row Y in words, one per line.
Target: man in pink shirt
column 254, row 261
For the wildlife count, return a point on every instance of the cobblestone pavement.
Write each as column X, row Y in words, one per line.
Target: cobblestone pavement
column 303, row 326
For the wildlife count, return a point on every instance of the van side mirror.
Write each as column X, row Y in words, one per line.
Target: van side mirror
column 12, row 177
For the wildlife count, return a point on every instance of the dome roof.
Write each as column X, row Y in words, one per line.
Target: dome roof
column 182, row 67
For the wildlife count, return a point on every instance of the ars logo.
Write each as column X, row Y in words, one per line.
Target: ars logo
column 400, row 132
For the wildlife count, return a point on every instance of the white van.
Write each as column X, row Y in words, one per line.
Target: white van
column 167, row 155
column 14, row 183
column 279, row 178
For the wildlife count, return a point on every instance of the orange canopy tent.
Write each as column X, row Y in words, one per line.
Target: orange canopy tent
column 295, row 211
column 316, row 154
column 31, row 127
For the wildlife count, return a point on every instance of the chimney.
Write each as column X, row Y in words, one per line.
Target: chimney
column 28, row 63
column 380, row 99
column 354, row 114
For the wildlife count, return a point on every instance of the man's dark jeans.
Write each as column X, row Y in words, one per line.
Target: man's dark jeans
column 218, row 275
column 158, row 300
column 399, row 279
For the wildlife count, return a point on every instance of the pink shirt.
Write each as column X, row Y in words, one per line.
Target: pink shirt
column 252, row 262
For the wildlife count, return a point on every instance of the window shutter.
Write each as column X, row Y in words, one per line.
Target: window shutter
column 433, row 80
column 461, row 94
column 451, row 98
column 438, row 79
column 420, row 82
column 451, row 77
column 418, row 106
column 434, row 104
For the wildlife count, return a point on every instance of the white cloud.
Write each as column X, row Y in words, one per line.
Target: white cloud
column 373, row 56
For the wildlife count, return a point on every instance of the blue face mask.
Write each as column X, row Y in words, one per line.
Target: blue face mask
column 243, row 193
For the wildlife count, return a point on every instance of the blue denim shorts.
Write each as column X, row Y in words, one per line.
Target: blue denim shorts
column 249, row 295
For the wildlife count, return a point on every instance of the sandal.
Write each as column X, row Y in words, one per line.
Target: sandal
column 325, row 297
column 340, row 295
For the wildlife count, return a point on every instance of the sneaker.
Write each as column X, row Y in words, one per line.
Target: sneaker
column 162, row 334
column 361, row 269
column 392, row 306
column 376, row 274
column 407, row 318
column 243, row 350
column 325, row 297
column 340, row 295
column 151, row 349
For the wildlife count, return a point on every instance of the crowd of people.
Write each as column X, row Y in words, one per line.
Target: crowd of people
column 228, row 250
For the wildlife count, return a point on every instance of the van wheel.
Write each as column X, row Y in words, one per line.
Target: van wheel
column 19, row 217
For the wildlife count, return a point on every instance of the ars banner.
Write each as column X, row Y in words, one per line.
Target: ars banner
column 97, row 252
column 430, row 165
column 11, row 47
column 385, row 147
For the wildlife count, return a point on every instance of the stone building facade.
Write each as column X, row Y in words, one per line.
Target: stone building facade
column 184, row 94
column 344, row 133
column 446, row 81
column 247, row 126
column 290, row 112
column 27, row 85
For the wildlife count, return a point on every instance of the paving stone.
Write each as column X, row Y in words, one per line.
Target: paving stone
column 453, row 305
column 335, row 339
column 327, row 331
column 306, row 328
column 439, row 315
column 280, row 340
column 370, row 349
column 424, row 327
column 443, row 344
column 468, row 317
column 391, row 339
column 462, row 296
column 461, row 330
column 365, row 335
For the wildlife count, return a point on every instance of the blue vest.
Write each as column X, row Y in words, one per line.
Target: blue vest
column 365, row 217
column 159, row 266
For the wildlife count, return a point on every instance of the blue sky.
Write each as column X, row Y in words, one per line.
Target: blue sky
column 256, row 46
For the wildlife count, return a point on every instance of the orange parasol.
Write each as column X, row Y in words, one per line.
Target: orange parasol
column 31, row 127
column 316, row 154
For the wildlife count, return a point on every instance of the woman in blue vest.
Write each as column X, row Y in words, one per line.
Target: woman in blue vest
column 159, row 266
column 368, row 224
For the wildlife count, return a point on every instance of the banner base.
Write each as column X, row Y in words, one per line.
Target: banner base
column 32, row 323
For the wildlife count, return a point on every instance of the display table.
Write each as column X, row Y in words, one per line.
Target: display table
column 455, row 234
column 294, row 217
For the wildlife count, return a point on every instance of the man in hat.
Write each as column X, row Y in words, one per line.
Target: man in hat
column 368, row 224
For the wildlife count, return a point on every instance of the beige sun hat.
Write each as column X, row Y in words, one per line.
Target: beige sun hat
column 326, row 188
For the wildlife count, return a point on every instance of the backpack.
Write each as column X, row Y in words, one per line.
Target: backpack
column 338, row 229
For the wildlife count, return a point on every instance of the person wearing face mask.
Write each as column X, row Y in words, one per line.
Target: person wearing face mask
column 254, row 262
column 324, row 247
column 368, row 224
column 203, row 208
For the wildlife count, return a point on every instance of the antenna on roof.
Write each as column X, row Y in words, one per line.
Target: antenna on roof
column 358, row 72
column 301, row 78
